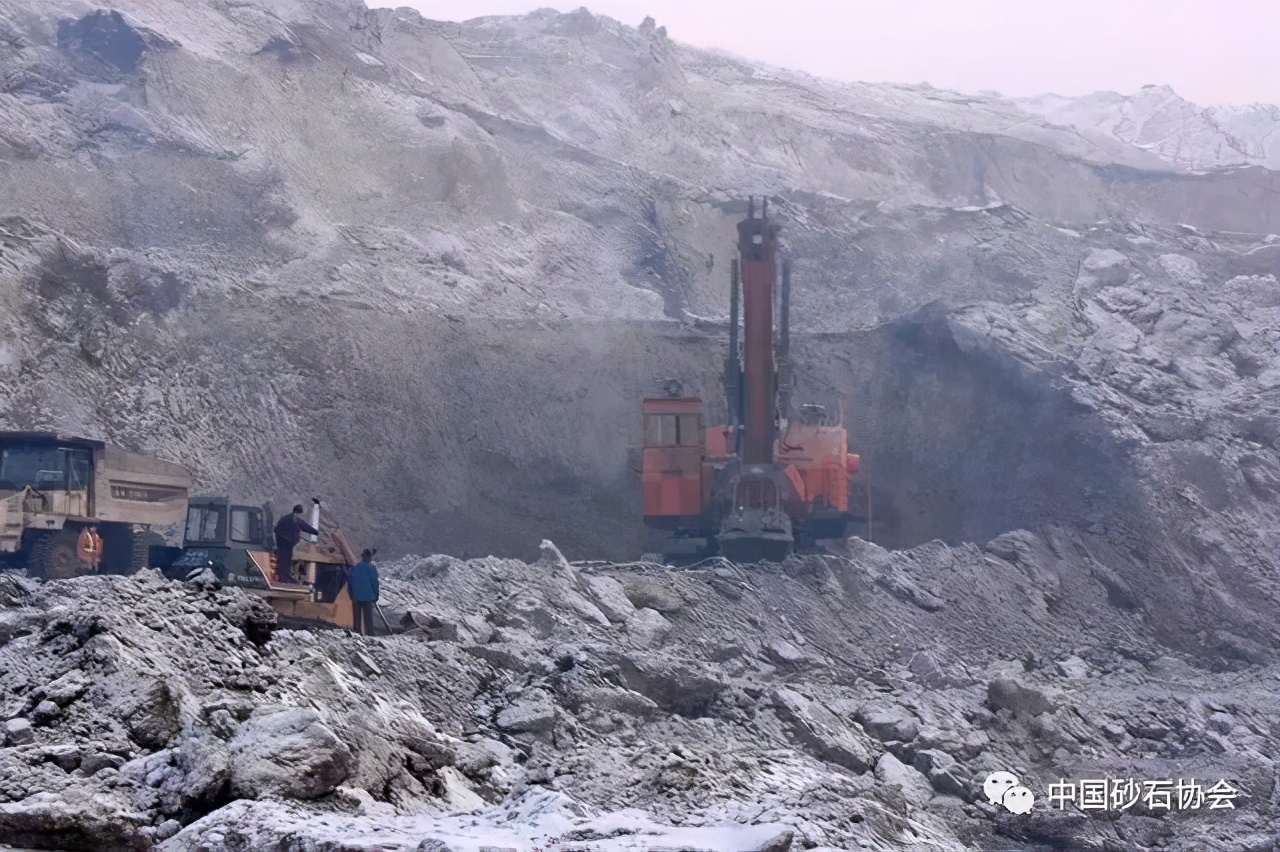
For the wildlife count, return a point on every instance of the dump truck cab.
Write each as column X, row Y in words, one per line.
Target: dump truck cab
column 54, row 486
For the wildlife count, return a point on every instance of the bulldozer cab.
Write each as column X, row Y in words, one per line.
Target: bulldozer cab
column 217, row 522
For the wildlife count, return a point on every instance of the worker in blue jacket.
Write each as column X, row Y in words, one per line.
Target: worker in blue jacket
column 363, row 585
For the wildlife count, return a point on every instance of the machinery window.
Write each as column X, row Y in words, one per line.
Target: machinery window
column 39, row 467
column 240, row 525
column 79, row 469
column 660, row 430
column 246, row 525
column 671, row 430
column 687, row 427
column 205, row 523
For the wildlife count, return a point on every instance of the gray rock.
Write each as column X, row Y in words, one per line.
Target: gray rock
column 931, row 674
column 92, row 764
column 943, row 772
column 45, row 712
column 781, row 842
column 435, row 627
column 527, row 717
column 820, row 730
column 783, row 653
column 289, row 753
column 1072, row 668
column 649, row 592
column 675, row 687
column 511, row 656
column 610, row 597
column 550, row 555
column 889, row 723
column 648, row 627
column 433, row 845
column 18, row 732
column 1023, row 701
column 584, row 608
column 153, row 713
column 915, row 787
column 67, row 688
column 65, row 757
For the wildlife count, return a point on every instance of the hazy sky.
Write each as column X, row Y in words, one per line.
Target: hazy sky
column 1210, row 51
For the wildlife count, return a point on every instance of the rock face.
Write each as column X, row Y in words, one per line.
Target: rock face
column 176, row 224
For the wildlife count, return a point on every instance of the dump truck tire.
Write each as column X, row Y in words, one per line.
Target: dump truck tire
column 54, row 556
column 141, row 550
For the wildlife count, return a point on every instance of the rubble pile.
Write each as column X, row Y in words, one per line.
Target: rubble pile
column 850, row 701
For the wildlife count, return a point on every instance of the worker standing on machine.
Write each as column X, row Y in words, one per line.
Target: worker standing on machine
column 363, row 586
column 289, row 530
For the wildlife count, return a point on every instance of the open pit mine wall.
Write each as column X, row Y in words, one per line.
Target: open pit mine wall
column 310, row 249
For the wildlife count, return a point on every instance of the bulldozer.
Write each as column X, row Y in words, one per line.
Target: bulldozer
column 234, row 542
column 764, row 483
column 53, row 487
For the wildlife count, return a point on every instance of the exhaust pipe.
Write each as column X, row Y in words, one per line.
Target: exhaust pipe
column 315, row 522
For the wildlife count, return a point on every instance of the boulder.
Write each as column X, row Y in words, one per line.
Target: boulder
column 780, row 842
column 783, row 653
column 18, row 732
column 433, row 845
column 674, row 687
column 648, row 627
column 535, row 715
column 652, row 593
column 92, row 764
column 65, row 757
column 45, row 712
column 610, row 598
column 67, row 688
column 1072, row 668
column 943, row 772
column 915, row 788
column 1023, row 701
column 79, row 817
column 436, row 628
column 585, row 608
column 821, row 731
column 290, row 753
column 152, row 715
column 889, row 723
column 931, row 674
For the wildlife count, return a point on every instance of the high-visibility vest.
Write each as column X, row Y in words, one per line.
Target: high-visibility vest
column 89, row 547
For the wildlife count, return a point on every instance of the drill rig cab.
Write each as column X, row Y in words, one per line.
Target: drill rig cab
column 759, row 486
column 236, row 542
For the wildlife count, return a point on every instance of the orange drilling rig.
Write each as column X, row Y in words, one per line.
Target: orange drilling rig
column 759, row 486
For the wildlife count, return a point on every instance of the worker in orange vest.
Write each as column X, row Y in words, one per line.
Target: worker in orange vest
column 89, row 547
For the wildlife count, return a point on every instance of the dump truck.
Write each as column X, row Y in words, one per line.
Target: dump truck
column 53, row 487
column 235, row 541
column 764, row 483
